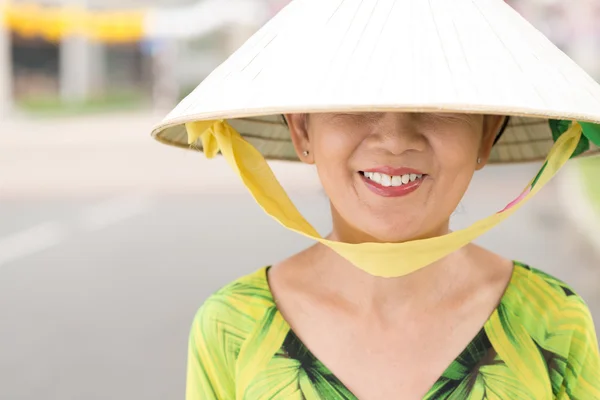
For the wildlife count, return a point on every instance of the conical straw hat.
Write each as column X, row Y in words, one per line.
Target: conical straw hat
column 477, row 56
column 474, row 56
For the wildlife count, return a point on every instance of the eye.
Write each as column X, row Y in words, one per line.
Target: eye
column 447, row 118
column 356, row 117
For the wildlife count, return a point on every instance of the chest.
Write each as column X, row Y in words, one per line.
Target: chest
column 376, row 362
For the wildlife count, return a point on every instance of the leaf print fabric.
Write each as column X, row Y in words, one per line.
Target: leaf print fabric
column 539, row 344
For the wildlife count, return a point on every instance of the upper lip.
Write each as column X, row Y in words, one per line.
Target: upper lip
column 394, row 171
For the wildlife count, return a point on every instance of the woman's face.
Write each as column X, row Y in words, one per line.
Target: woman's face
column 393, row 177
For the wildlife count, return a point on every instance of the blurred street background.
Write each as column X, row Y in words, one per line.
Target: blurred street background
column 109, row 241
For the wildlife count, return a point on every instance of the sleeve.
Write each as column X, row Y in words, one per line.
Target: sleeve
column 582, row 379
column 208, row 374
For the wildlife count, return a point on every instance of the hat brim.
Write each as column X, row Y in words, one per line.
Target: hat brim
column 523, row 139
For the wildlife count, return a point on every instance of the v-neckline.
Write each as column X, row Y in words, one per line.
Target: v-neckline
column 479, row 336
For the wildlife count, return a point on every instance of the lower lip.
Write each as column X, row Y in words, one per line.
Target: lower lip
column 392, row 191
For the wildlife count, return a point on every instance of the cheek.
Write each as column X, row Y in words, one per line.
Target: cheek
column 458, row 148
column 334, row 150
column 457, row 158
column 456, row 162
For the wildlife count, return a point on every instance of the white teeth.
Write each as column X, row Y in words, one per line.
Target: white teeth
column 387, row 180
column 396, row 181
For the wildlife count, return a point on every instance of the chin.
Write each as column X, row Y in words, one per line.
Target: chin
column 370, row 228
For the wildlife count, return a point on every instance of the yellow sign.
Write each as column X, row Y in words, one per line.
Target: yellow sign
column 55, row 23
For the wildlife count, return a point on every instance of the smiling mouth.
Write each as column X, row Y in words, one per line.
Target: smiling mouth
column 392, row 185
column 391, row 180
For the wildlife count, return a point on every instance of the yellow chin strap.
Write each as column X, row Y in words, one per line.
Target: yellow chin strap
column 378, row 259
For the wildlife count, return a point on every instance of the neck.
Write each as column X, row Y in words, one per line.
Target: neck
column 343, row 282
column 366, row 293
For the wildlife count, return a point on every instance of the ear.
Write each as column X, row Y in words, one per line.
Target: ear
column 298, row 125
column 491, row 127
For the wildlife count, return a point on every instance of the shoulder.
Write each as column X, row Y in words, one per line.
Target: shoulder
column 565, row 334
column 549, row 296
column 218, row 331
column 236, row 307
column 535, row 283
column 560, row 329
column 550, row 308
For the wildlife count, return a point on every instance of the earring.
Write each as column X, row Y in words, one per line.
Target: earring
column 305, row 153
column 479, row 160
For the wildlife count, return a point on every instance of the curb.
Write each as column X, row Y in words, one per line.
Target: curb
column 577, row 206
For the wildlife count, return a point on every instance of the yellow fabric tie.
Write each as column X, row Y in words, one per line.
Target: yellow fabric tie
column 378, row 259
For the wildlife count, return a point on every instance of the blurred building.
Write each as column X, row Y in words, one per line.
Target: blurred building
column 162, row 68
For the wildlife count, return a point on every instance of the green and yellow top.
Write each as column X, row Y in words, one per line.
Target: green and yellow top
column 539, row 343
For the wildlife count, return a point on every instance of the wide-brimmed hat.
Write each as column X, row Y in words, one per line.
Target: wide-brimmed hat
column 475, row 56
column 471, row 56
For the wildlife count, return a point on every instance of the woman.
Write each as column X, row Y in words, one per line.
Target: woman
column 397, row 103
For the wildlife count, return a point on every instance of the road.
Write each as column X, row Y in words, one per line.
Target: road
column 109, row 242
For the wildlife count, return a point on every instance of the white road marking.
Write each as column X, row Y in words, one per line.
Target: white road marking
column 49, row 234
column 114, row 210
column 31, row 241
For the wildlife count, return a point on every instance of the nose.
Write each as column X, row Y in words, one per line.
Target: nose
column 397, row 133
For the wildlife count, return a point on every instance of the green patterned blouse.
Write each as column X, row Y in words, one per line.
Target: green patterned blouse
column 539, row 344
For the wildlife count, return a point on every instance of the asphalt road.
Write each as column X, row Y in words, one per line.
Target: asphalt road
column 109, row 243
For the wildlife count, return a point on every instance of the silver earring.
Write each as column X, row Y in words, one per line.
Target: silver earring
column 479, row 160
column 305, row 153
